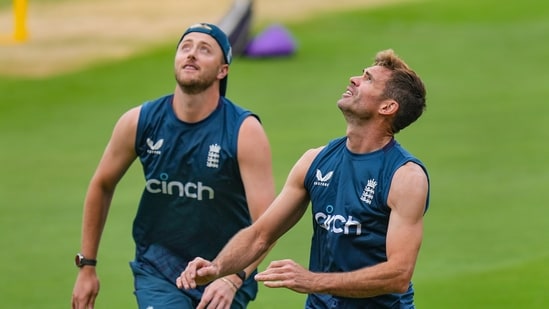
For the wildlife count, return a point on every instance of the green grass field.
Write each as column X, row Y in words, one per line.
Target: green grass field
column 484, row 139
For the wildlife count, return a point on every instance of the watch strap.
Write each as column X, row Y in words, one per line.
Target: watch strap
column 242, row 275
column 82, row 261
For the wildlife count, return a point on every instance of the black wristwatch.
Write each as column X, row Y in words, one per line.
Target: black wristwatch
column 242, row 275
column 82, row 261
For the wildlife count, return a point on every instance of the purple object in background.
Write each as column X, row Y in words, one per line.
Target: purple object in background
column 274, row 41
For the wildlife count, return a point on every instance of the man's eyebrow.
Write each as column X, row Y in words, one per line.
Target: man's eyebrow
column 365, row 71
column 197, row 41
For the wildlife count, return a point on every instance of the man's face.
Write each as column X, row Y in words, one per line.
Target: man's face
column 198, row 63
column 365, row 92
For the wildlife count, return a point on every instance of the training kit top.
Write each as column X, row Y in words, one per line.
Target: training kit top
column 194, row 200
column 350, row 216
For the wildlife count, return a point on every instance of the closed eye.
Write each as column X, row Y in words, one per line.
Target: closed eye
column 367, row 76
column 204, row 49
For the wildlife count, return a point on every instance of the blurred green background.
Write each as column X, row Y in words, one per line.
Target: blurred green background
column 483, row 138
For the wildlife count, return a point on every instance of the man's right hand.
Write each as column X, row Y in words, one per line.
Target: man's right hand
column 85, row 289
column 198, row 272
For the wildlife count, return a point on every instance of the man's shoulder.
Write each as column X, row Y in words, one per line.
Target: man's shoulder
column 234, row 107
column 167, row 98
column 152, row 106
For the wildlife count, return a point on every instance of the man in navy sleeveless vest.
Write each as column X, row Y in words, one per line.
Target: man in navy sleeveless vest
column 368, row 197
column 208, row 174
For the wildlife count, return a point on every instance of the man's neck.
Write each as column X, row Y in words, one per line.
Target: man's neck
column 193, row 108
column 363, row 140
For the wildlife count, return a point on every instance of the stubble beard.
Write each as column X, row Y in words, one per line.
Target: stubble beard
column 195, row 85
column 348, row 107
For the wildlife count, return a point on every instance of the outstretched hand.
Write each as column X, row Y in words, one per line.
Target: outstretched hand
column 198, row 272
column 287, row 274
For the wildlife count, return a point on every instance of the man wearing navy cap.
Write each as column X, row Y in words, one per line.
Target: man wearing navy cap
column 208, row 174
column 221, row 39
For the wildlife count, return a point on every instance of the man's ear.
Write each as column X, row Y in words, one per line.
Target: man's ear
column 388, row 107
column 223, row 71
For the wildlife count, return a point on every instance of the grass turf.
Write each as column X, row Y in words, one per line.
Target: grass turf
column 483, row 139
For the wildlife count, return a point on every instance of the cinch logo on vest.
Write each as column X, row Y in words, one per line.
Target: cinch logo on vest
column 190, row 189
column 323, row 180
column 338, row 224
column 154, row 147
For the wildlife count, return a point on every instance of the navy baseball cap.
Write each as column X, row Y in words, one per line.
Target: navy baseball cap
column 221, row 39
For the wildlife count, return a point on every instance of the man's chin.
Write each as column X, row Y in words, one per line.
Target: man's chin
column 192, row 87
